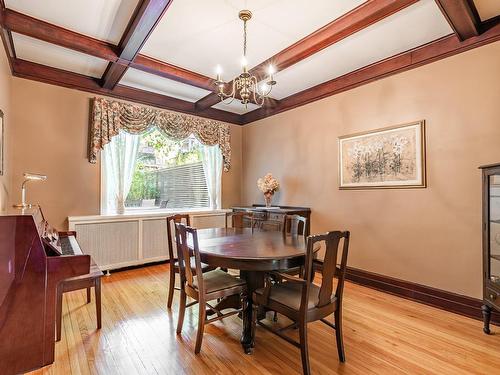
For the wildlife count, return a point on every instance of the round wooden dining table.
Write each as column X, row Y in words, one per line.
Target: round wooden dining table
column 254, row 253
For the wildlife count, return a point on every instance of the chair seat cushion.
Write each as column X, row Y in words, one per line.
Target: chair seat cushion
column 289, row 295
column 217, row 280
column 204, row 267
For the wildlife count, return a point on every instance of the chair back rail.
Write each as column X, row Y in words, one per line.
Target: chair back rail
column 295, row 225
column 237, row 219
column 171, row 242
column 185, row 253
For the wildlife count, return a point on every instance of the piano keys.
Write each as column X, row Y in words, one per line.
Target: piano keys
column 34, row 258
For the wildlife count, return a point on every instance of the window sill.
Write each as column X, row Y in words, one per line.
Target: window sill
column 141, row 213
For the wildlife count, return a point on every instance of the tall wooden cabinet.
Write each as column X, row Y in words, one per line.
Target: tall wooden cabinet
column 491, row 242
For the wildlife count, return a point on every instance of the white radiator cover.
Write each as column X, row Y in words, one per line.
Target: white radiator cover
column 117, row 241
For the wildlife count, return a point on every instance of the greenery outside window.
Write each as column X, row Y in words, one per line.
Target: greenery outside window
column 161, row 173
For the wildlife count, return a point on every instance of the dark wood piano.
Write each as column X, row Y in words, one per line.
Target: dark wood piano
column 34, row 258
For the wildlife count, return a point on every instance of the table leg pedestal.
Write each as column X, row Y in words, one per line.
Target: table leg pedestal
column 255, row 280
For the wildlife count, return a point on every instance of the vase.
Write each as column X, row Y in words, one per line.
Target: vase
column 268, row 197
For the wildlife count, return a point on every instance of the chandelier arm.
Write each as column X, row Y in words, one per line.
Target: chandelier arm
column 263, row 94
column 225, row 101
column 269, row 90
column 259, row 101
column 232, row 94
column 261, row 98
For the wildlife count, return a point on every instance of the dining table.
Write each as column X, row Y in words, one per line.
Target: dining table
column 253, row 252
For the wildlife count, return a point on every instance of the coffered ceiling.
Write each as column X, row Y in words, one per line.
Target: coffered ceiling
column 164, row 52
column 215, row 38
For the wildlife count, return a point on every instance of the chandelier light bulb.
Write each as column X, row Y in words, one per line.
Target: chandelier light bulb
column 244, row 62
column 263, row 88
column 218, row 70
column 271, row 70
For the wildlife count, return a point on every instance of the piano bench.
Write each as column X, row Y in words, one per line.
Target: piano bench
column 92, row 279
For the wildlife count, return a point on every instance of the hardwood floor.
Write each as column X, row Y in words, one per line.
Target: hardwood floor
column 383, row 334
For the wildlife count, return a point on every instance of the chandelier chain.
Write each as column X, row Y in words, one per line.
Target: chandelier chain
column 245, row 38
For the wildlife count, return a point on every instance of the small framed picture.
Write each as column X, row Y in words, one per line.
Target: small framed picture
column 392, row 157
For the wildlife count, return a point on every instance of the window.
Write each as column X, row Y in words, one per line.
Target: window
column 153, row 172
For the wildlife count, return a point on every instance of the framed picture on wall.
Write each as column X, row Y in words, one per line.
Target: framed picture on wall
column 392, row 157
column 1, row 142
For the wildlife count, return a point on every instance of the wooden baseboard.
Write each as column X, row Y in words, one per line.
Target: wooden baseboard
column 441, row 299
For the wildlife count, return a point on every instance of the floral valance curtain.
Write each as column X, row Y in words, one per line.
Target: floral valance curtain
column 109, row 117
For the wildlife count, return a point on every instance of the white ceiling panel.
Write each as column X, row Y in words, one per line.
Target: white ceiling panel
column 101, row 19
column 416, row 25
column 150, row 82
column 58, row 57
column 236, row 107
column 199, row 35
column 487, row 8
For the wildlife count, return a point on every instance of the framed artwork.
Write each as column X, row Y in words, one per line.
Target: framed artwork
column 1, row 142
column 392, row 157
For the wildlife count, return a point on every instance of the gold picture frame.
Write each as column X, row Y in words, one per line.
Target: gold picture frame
column 386, row 158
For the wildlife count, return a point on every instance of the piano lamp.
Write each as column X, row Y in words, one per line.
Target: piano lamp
column 28, row 177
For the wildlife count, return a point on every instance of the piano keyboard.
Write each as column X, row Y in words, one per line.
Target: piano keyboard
column 69, row 246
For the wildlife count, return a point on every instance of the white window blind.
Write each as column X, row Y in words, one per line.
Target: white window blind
column 183, row 186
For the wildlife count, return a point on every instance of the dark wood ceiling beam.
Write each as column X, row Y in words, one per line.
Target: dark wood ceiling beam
column 434, row 51
column 146, row 16
column 59, row 77
column 357, row 19
column 6, row 37
column 461, row 16
column 153, row 66
column 32, row 27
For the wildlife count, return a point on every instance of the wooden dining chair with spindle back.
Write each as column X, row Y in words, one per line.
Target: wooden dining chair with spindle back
column 203, row 287
column 304, row 302
column 172, row 254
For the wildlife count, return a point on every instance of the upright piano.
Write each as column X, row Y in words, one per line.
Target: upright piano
column 34, row 258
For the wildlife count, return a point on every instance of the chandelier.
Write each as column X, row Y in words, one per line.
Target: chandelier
column 246, row 86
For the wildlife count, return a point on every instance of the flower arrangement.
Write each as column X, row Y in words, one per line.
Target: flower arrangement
column 268, row 185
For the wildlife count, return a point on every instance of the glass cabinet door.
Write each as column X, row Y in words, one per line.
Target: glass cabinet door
column 494, row 227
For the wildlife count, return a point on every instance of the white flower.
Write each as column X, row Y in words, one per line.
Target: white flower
column 378, row 146
column 268, row 184
column 356, row 151
column 398, row 144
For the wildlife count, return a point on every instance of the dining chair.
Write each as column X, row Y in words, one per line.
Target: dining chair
column 304, row 302
column 203, row 287
column 237, row 219
column 295, row 225
column 172, row 254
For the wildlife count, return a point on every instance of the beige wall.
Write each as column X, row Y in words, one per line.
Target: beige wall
column 50, row 133
column 430, row 236
column 5, row 88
